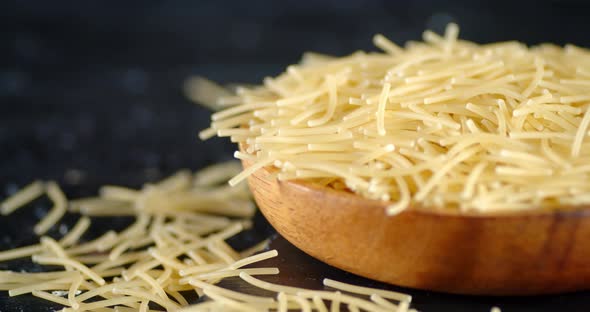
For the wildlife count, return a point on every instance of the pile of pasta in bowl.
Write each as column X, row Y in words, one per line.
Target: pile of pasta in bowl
column 443, row 124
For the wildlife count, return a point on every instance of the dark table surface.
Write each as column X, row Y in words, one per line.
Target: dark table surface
column 95, row 91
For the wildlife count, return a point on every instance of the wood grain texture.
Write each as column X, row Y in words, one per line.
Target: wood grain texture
column 538, row 252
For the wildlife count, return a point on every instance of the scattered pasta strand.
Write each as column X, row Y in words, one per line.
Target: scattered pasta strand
column 22, row 197
column 165, row 252
column 57, row 211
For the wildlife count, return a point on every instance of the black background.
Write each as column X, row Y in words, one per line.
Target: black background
column 94, row 87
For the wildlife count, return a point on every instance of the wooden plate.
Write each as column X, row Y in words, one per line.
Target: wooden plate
column 538, row 252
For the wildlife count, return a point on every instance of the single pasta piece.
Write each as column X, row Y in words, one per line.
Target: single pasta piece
column 22, row 197
column 57, row 211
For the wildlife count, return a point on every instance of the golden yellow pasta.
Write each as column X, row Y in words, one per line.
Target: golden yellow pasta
column 173, row 246
column 444, row 124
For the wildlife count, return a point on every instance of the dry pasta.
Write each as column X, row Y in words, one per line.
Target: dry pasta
column 438, row 122
column 167, row 250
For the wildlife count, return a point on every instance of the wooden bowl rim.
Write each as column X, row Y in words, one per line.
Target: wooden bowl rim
column 563, row 212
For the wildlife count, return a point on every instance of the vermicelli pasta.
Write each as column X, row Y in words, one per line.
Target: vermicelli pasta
column 22, row 197
column 523, row 111
column 444, row 123
column 57, row 211
column 166, row 251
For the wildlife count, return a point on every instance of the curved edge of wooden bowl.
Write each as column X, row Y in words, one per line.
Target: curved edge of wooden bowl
column 524, row 254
